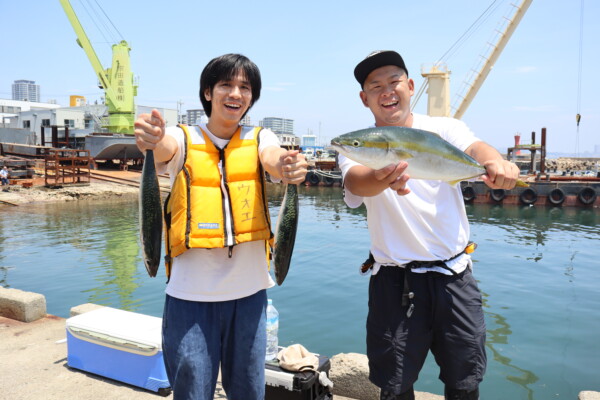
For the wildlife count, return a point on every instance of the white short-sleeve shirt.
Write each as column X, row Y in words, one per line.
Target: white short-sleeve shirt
column 429, row 223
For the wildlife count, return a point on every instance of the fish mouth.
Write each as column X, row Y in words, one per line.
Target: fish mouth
column 338, row 146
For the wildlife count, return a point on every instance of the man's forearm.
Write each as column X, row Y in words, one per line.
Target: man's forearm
column 483, row 152
column 361, row 181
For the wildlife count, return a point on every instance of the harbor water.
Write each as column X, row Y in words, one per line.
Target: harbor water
column 537, row 268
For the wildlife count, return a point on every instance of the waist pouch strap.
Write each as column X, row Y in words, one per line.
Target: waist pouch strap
column 407, row 294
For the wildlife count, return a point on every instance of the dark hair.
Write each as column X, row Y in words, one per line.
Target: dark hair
column 226, row 67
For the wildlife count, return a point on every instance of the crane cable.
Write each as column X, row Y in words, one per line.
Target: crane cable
column 109, row 20
column 580, row 73
column 485, row 15
column 100, row 22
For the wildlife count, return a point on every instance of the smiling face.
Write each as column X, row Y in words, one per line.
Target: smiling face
column 230, row 99
column 387, row 92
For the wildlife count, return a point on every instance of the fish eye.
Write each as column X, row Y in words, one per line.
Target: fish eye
column 356, row 143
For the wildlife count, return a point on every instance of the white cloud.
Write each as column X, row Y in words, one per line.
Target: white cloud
column 543, row 108
column 274, row 89
column 527, row 69
column 279, row 86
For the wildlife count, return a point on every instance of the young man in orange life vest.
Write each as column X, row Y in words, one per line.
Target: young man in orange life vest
column 215, row 308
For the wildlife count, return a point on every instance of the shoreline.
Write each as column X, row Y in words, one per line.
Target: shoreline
column 18, row 195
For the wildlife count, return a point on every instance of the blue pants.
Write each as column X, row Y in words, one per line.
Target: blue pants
column 198, row 336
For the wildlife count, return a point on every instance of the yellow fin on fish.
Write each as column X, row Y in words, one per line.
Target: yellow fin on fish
column 521, row 183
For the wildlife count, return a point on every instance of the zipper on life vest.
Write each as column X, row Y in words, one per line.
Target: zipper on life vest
column 228, row 230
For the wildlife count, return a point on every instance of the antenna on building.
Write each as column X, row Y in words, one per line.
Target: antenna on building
column 179, row 104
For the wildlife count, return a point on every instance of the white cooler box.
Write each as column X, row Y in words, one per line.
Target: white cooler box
column 120, row 345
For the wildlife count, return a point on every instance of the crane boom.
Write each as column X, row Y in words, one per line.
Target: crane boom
column 491, row 60
column 116, row 81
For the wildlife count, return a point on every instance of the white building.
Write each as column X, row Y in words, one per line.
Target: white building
column 309, row 141
column 24, row 90
column 28, row 118
column 196, row 116
column 246, row 120
column 169, row 114
column 10, row 110
column 288, row 141
column 278, row 125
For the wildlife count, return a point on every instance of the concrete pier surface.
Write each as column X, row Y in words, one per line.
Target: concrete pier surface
column 34, row 366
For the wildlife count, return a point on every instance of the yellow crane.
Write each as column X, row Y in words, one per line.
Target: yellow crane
column 117, row 81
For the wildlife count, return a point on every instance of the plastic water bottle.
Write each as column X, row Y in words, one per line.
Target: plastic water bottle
column 272, row 328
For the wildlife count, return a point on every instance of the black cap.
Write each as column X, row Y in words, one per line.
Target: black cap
column 376, row 59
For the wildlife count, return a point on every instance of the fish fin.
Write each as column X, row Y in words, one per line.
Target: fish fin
column 453, row 183
column 521, row 183
column 402, row 154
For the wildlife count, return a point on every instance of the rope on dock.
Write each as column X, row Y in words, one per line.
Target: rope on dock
column 328, row 174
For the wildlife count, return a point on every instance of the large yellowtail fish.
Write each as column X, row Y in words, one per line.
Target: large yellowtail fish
column 428, row 155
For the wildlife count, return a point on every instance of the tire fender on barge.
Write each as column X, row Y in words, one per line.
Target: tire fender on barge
column 556, row 197
column 497, row 195
column 312, row 178
column 587, row 196
column 528, row 196
column 468, row 193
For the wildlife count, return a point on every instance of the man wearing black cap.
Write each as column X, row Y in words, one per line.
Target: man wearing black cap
column 422, row 294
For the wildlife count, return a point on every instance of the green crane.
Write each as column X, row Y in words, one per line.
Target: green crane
column 117, row 81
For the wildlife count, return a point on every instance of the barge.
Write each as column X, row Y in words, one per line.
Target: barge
column 323, row 173
column 555, row 191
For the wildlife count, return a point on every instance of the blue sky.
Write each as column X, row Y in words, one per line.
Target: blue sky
column 307, row 50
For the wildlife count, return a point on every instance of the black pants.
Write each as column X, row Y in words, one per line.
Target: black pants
column 447, row 319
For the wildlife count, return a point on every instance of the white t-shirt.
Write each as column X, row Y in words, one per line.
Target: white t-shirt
column 209, row 274
column 429, row 223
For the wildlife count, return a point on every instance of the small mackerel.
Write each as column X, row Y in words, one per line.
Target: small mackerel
column 285, row 232
column 151, row 218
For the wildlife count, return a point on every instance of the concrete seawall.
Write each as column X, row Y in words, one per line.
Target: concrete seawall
column 34, row 353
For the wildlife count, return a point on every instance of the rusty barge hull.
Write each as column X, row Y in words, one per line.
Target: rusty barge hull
column 584, row 192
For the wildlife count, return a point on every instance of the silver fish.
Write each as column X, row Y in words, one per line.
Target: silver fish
column 150, row 215
column 428, row 155
column 285, row 233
